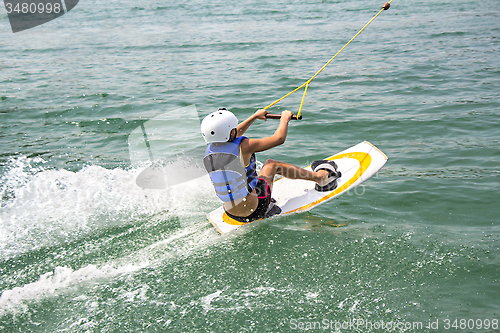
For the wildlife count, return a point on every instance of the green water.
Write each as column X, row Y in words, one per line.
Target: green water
column 84, row 249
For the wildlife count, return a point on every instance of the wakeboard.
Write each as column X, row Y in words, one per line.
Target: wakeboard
column 356, row 165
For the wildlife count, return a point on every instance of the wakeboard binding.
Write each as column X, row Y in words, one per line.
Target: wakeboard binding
column 333, row 175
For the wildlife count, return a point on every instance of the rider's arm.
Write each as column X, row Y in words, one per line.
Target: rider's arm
column 251, row 146
column 243, row 126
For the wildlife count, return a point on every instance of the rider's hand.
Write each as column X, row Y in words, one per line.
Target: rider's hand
column 286, row 115
column 261, row 114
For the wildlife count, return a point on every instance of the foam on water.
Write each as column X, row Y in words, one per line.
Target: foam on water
column 43, row 208
column 46, row 207
column 180, row 244
column 52, row 282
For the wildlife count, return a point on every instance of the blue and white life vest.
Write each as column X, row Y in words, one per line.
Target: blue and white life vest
column 224, row 164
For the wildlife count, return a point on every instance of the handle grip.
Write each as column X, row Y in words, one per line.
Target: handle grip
column 278, row 116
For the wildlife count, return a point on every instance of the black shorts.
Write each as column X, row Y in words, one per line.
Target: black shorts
column 264, row 194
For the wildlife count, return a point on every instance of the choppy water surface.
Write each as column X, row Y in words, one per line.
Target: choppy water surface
column 83, row 248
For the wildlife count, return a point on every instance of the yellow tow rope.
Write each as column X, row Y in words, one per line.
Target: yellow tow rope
column 306, row 84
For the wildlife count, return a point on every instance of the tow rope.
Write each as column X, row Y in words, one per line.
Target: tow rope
column 386, row 6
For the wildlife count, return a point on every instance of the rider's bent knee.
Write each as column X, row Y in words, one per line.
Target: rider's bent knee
column 270, row 161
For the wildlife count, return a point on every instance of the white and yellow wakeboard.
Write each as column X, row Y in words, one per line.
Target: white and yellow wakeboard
column 356, row 164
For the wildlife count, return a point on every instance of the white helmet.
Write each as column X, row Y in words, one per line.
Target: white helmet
column 217, row 126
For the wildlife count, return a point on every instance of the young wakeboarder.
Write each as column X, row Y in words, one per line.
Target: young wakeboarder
column 231, row 164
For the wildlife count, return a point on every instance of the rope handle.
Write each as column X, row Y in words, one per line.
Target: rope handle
column 278, row 116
